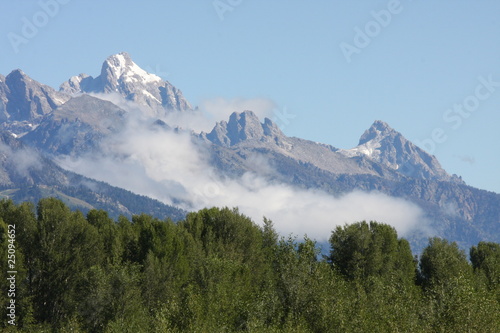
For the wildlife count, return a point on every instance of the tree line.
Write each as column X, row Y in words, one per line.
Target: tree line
column 218, row 271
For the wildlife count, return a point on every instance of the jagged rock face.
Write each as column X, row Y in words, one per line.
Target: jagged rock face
column 77, row 127
column 246, row 127
column 119, row 74
column 23, row 99
column 241, row 126
column 384, row 145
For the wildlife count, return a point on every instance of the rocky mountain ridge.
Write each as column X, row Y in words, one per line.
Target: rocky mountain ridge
column 24, row 102
column 382, row 151
column 383, row 144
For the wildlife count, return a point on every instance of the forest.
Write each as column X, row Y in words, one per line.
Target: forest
column 218, row 271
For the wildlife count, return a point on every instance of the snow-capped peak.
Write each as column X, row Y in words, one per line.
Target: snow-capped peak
column 119, row 74
column 123, row 68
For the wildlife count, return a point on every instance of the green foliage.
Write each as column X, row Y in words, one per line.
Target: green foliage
column 217, row 271
column 381, row 271
column 442, row 262
column 485, row 258
column 449, row 288
column 363, row 250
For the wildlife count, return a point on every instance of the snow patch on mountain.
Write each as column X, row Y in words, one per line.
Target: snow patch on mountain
column 370, row 149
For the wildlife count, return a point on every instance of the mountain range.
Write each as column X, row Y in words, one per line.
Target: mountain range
column 90, row 118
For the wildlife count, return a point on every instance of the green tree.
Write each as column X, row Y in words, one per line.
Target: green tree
column 65, row 246
column 108, row 236
column 381, row 271
column 362, row 249
column 454, row 304
column 485, row 258
column 230, row 267
column 441, row 262
column 18, row 222
column 297, row 271
column 127, row 308
column 129, row 240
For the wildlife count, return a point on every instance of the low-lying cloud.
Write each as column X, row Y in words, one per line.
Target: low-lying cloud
column 174, row 168
column 23, row 160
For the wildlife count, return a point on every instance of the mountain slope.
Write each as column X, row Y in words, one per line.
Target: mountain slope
column 27, row 176
column 77, row 126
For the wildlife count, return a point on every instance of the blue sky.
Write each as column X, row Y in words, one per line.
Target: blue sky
column 430, row 70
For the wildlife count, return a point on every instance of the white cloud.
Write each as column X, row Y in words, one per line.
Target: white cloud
column 23, row 159
column 312, row 212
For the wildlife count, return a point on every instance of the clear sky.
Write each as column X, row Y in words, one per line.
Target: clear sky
column 429, row 69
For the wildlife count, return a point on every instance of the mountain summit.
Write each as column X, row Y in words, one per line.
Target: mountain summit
column 121, row 75
column 243, row 126
column 24, row 102
column 385, row 145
